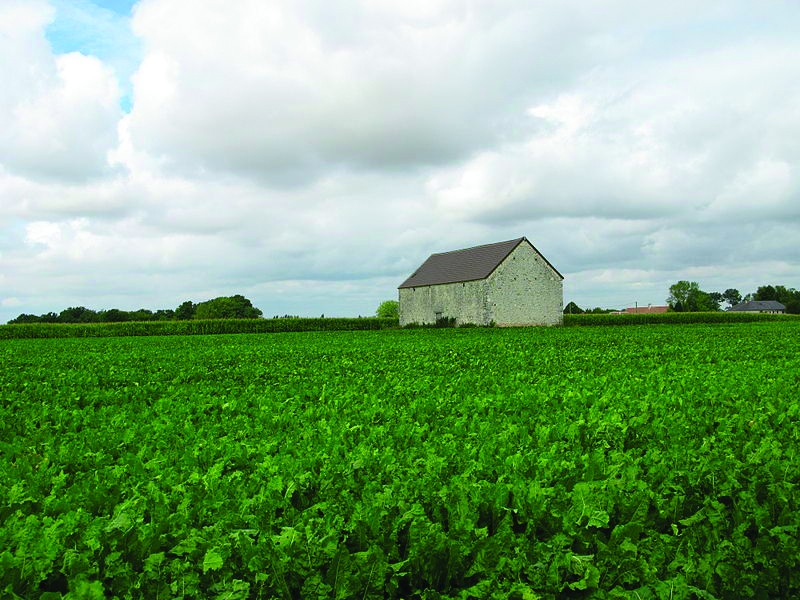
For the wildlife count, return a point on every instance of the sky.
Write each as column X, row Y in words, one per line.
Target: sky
column 310, row 155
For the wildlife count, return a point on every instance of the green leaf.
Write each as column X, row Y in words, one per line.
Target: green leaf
column 598, row 518
column 212, row 561
column 153, row 562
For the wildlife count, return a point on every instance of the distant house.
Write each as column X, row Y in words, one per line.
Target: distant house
column 645, row 310
column 759, row 306
column 506, row 283
column 641, row 310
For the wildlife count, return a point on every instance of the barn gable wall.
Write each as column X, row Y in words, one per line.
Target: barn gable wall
column 525, row 290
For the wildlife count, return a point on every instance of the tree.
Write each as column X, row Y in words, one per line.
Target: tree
column 682, row 295
column 227, row 307
column 114, row 315
column 573, row 309
column 786, row 295
column 77, row 314
column 789, row 297
column 143, row 314
column 388, row 309
column 25, row 318
column 687, row 296
column 704, row 301
column 185, row 311
column 716, row 297
column 766, row 292
column 732, row 296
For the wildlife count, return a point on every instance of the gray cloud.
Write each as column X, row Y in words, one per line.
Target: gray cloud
column 277, row 94
column 311, row 155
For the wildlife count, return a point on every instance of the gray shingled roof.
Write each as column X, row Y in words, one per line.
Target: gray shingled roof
column 469, row 264
column 759, row 305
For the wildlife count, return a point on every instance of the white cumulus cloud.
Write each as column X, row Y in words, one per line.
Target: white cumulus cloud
column 58, row 114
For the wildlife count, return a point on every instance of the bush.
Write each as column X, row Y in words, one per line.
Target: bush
column 389, row 309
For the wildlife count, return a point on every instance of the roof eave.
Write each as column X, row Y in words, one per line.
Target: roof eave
column 404, row 286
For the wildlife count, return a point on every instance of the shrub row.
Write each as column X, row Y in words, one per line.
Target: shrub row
column 191, row 327
column 218, row 326
column 673, row 318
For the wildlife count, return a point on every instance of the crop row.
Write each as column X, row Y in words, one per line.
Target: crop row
column 676, row 318
column 621, row 462
column 228, row 326
column 191, row 327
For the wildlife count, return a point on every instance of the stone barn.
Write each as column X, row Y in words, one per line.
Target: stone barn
column 507, row 283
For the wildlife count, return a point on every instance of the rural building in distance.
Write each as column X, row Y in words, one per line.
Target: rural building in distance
column 759, row 306
column 642, row 310
column 506, row 283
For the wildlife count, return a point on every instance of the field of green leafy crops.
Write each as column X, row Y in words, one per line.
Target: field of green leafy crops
column 613, row 462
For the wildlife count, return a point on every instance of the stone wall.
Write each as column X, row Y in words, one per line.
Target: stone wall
column 525, row 290
column 465, row 301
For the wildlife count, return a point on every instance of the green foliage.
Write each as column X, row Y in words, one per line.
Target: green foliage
column 192, row 327
column 686, row 296
column 77, row 314
column 388, row 309
column 789, row 297
column 766, row 292
column 483, row 463
column 185, row 311
column 445, row 322
column 732, row 296
column 672, row 318
column 598, row 311
column 113, row 315
column 227, row 307
column 680, row 292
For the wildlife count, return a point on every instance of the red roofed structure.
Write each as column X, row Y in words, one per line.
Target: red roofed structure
column 646, row 310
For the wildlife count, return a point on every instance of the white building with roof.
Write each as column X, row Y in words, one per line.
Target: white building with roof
column 759, row 306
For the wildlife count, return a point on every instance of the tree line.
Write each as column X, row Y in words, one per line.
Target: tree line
column 686, row 296
column 224, row 307
column 573, row 309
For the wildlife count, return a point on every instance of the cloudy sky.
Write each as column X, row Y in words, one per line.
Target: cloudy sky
column 310, row 154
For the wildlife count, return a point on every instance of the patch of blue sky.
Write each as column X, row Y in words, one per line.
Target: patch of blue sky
column 121, row 7
column 718, row 28
column 12, row 234
column 103, row 29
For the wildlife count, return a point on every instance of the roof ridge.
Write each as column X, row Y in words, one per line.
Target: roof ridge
column 519, row 239
column 467, row 264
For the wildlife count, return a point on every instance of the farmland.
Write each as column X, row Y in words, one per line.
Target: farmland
column 606, row 461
